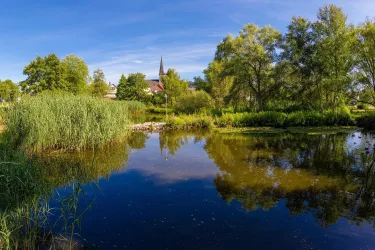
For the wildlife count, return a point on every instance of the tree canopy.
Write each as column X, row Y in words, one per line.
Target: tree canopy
column 135, row 87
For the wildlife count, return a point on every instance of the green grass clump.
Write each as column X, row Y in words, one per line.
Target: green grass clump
column 65, row 122
column 190, row 122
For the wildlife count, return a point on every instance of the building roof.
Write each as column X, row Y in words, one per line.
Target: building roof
column 155, row 85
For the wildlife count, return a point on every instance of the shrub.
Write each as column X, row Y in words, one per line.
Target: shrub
column 305, row 119
column 341, row 118
column 194, row 102
column 366, row 121
column 190, row 122
column 65, row 122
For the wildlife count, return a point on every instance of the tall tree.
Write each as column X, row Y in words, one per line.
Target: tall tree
column 249, row 58
column 174, row 86
column 98, row 87
column 133, row 88
column 45, row 73
column 334, row 41
column 305, row 75
column 364, row 50
column 220, row 84
column 77, row 74
column 122, row 88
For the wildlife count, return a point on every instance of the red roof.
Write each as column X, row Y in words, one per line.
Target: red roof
column 155, row 85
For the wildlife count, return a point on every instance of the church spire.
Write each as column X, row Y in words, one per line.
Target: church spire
column 161, row 71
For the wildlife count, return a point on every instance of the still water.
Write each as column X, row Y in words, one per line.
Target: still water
column 206, row 190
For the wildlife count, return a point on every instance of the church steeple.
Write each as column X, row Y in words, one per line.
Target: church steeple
column 161, row 71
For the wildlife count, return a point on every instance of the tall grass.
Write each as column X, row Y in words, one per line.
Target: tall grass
column 65, row 122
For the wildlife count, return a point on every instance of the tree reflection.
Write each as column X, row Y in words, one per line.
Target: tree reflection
column 317, row 174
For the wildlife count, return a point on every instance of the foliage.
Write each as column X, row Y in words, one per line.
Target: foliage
column 220, row 84
column 174, row 86
column 364, row 51
column 190, row 122
column 77, row 74
column 279, row 119
column 194, row 102
column 8, row 90
column 133, row 88
column 249, row 59
column 158, row 98
column 99, row 87
column 202, row 84
column 65, row 122
column 44, row 73
column 366, row 120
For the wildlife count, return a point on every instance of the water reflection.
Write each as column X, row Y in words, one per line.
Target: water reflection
column 326, row 176
column 330, row 176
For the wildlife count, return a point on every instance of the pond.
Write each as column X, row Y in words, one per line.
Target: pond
column 207, row 190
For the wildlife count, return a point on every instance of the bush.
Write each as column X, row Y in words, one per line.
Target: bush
column 194, row 102
column 273, row 119
column 366, row 121
column 190, row 122
column 278, row 119
column 65, row 122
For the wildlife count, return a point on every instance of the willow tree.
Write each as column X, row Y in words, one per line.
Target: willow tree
column 249, row 58
column 364, row 49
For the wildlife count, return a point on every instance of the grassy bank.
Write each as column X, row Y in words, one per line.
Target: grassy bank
column 64, row 122
column 271, row 119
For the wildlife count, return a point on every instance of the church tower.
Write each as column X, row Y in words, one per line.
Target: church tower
column 161, row 70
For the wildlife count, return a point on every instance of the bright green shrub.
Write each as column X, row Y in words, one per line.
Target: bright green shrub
column 194, row 102
column 190, row 122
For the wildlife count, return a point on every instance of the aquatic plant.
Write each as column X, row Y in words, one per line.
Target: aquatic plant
column 65, row 122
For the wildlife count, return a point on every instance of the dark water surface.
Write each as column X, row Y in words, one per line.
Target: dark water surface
column 205, row 190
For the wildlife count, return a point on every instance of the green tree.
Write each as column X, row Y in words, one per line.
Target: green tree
column 304, row 85
column 194, row 102
column 77, row 74
column 122, row 88
column 8, row 90
column 202, row 84
column 133, row 88
column 174, row 86
column 220, row 84
column 364, row 50
column 333, row 47
column 98, row 87
column 249, row 58
column 44, row 73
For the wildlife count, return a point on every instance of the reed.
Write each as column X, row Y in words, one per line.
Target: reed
column 65, row 121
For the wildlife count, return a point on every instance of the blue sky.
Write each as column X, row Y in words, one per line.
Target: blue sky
column 130, row 36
